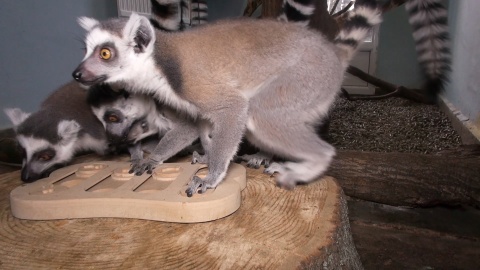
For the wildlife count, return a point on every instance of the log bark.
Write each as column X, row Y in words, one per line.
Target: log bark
column 391, row 90
column 271, row 8
column 407, row 179
column 307, row 228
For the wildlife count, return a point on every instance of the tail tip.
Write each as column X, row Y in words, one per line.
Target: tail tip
column 433, row 87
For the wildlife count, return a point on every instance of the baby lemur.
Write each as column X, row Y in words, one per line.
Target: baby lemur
column 140, row 123
column 267, row 80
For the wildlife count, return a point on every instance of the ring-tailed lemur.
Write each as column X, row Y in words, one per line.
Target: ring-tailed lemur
column 266, row 79
column 428, row 19
column 50, row 137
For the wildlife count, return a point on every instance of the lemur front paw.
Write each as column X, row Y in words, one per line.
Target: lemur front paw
column 282, row 179
column 255, row 160
column 274, row 168
column 199, row 185
column 143, row 165
column 196, row 184
column 198, row 158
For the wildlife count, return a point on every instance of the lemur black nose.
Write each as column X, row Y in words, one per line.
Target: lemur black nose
column 77, row 75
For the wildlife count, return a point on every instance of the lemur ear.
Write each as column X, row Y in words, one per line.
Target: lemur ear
column 16, row 115
column 68, row 130
column 87, row 23
column 139, row 30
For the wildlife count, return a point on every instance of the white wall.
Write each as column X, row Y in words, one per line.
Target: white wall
column 463, row 91
column 41, row 45
column 396, row 56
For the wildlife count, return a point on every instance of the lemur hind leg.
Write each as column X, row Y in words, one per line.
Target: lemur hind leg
column 281, row 121
column 309, row 156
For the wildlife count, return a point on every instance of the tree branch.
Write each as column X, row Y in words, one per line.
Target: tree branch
column 391, row 89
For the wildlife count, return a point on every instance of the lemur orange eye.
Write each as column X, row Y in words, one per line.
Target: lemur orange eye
column 44, row 157
column 105, row 54
column 113, row 118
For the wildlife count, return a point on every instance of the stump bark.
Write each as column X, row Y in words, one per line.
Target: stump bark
column 408, row 179
column 306, row 228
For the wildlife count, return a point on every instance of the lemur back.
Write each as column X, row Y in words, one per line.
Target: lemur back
column 264, row 79
column 63, row 126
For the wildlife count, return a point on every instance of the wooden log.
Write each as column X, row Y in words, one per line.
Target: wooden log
column 407, row 179
column 307, row 228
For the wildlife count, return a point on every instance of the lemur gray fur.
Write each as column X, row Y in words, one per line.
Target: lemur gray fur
column 63, row 126
column 264, row 79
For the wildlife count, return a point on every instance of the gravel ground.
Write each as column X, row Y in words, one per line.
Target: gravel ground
column 391, row 125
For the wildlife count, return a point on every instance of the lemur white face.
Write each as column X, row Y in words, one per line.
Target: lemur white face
column 42, row 156
column 116, row 50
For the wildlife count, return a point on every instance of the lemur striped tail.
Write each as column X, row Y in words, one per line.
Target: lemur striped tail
column 165, row 14
column 199, row 13
column 297, row 11
column 356, row 27
column 430, row 32
column 169, row 15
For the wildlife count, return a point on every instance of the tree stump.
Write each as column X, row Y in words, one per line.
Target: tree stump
column 305, row 228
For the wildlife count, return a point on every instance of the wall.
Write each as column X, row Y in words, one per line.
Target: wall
column 463, row 91
column 219, row 9
column 397, row 60
column 41, row 46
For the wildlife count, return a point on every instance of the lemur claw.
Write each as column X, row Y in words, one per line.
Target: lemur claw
column 273, row 168
column 255, row 160
column 144, row 165
column 198, row 158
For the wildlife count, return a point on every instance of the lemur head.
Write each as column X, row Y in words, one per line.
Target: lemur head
column 115, row 49
column 126, row 118
column 46, row 146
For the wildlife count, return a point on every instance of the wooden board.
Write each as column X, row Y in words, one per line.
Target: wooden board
column 306, row 228
column 106, row 189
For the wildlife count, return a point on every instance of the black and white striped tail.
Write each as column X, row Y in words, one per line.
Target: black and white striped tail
column 297, row 11
column 166, row 14
column 199, row 12
column 356, row 27
column 171, row 15
column 430, row 32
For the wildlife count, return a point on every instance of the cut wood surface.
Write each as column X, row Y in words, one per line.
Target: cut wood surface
column 306, row 228
column 407, row 179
